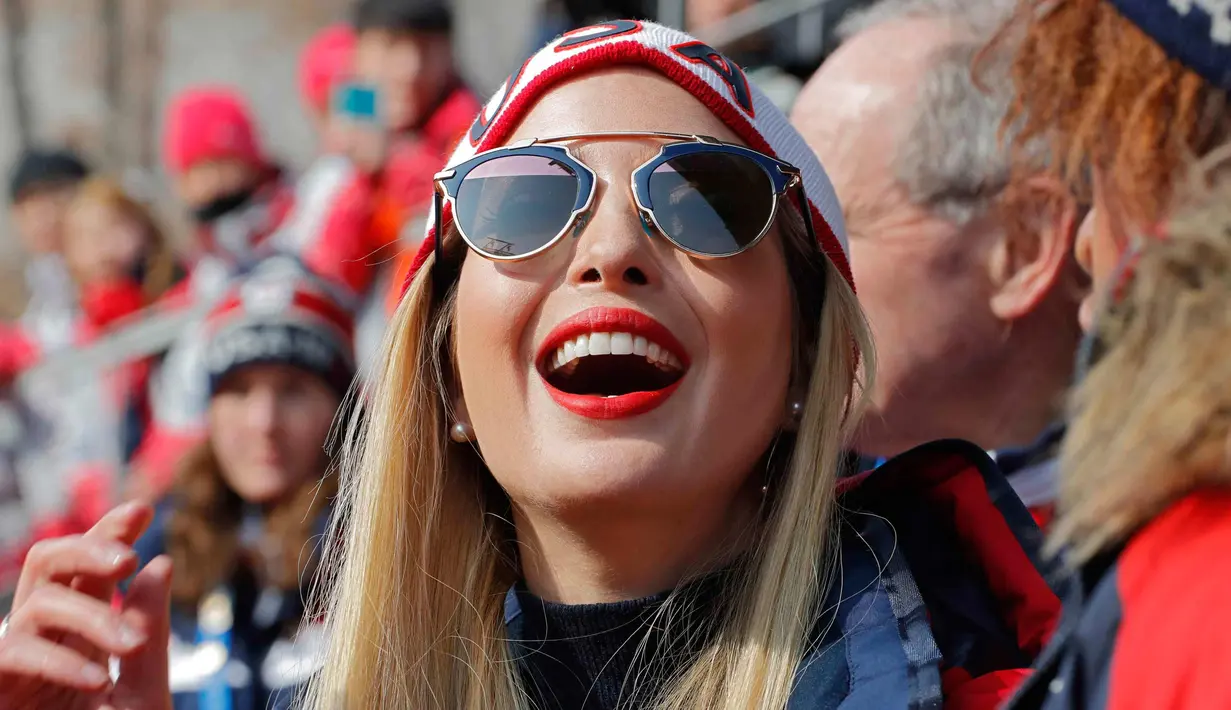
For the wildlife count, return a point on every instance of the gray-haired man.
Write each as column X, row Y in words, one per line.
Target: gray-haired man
column 971, row 291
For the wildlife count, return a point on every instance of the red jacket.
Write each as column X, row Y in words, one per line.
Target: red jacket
column 1147, row 627
column 368, row 213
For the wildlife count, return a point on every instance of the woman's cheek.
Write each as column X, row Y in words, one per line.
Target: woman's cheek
column 493, row 318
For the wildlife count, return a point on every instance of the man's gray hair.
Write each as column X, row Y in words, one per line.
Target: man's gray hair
column 950, row 157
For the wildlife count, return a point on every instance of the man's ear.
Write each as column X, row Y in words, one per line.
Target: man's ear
column 1034, row 247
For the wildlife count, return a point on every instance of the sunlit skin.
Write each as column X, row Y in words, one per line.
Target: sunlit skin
column 267, row 426
column 616, row 509
column 102, row 244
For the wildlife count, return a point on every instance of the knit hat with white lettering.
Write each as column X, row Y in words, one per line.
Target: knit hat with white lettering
column 1195, row 32
column 716, row 81
column 281, row 318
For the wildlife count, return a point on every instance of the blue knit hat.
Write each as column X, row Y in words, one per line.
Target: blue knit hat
column 1197, row 33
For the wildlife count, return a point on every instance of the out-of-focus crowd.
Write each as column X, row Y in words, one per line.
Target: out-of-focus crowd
column 107, row 372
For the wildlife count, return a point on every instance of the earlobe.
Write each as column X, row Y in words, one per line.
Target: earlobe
column 1034, row 249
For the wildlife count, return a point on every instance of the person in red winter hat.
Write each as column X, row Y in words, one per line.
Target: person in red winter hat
column 602, row 409
column 221, row 173
column 325, row 60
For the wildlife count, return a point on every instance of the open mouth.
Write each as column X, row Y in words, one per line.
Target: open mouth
column 611, row 365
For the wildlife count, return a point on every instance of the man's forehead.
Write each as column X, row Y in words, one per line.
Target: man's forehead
column 884, row 63
column 855, row 109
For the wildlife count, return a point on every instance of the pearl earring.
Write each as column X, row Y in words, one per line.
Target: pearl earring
column 797, row 411
column 461, row 433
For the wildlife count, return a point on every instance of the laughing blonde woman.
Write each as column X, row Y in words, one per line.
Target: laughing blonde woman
column 601, row 463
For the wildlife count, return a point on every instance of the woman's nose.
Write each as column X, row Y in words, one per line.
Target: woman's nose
column 613, row 249
column 263, row 410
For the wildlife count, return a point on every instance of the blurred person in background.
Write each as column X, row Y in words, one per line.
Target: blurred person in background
column 118, row 255
column 79, row 434
column 122, row 262
column 404, row 56
column 405, row 50
column 1127, row 94
column 41, row 185
column 971, row 289
column 235, row 193
column 240, row 523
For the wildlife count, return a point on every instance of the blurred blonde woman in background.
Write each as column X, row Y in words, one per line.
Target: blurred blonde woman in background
column 111, row 241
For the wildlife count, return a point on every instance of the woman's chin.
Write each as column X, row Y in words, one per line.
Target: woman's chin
column 262, row 484
column 584, row 474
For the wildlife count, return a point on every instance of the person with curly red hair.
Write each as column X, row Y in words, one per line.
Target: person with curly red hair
column 1129, row 94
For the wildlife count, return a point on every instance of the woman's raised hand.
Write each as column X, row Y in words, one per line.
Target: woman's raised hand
column 55, row 648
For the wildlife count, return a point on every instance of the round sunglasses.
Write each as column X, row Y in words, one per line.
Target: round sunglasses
column 708, row 198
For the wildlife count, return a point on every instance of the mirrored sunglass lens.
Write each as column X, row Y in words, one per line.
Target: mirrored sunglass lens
column 513, row 205
column 711, row 202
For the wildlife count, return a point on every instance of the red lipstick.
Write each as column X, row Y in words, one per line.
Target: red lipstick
column 610, row 320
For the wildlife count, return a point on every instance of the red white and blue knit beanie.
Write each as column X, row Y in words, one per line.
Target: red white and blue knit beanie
column 285, row 318
column 715, row 80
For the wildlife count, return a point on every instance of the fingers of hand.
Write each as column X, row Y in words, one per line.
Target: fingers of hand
column 124, row 525
column 143, row 675
column 59, row 609
column 61, row 559
column 32, row 657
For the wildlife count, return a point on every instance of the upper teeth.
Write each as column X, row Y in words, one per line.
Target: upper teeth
column 613, row 344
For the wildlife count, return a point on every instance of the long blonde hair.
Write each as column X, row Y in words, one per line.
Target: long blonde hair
column 1151, row 422
column 424, row 555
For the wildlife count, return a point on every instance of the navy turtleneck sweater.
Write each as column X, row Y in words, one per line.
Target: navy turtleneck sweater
column 608, row 656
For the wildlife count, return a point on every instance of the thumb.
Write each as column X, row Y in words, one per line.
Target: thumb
column 144, row 678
